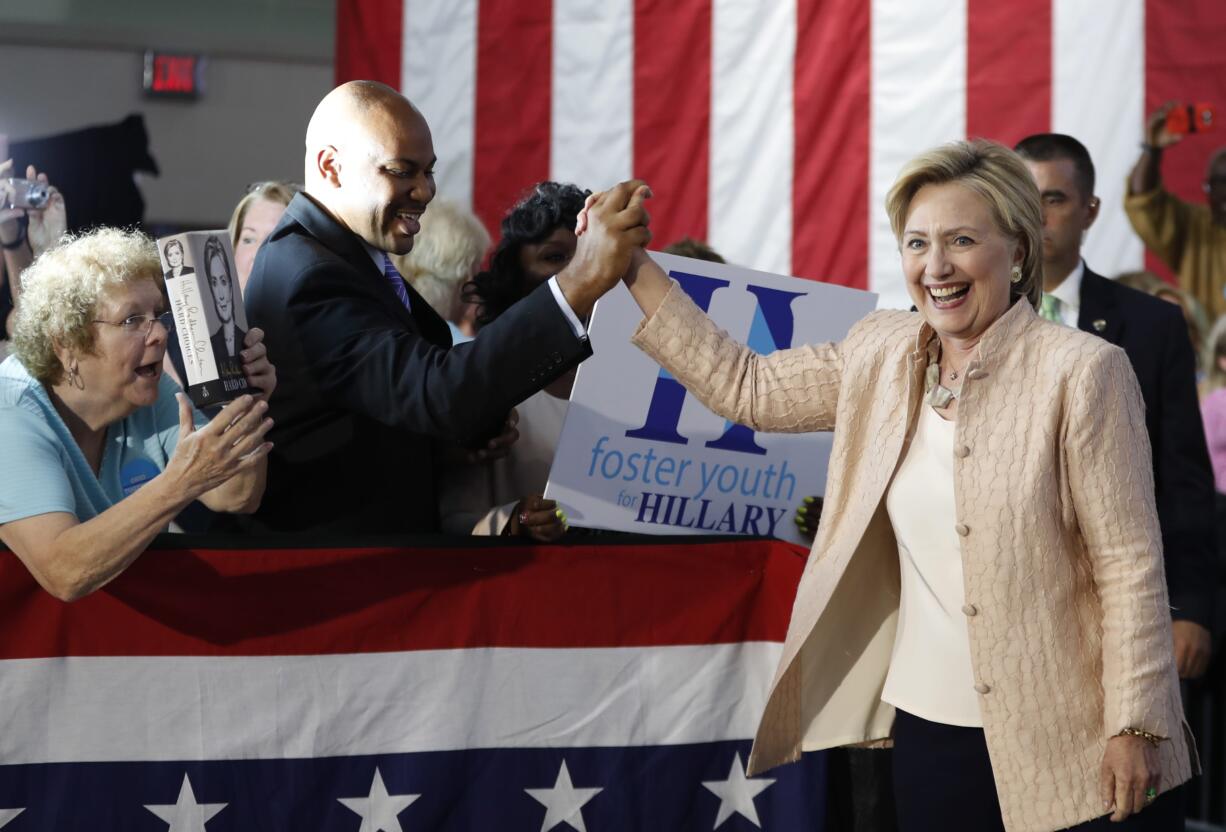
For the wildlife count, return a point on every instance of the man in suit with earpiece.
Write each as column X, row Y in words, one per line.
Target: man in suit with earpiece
column 1154, row 335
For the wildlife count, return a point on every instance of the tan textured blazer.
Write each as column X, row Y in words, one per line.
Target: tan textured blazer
column 1066, row 599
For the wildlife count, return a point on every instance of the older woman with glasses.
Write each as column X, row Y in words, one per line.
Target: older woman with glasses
column 99, row 456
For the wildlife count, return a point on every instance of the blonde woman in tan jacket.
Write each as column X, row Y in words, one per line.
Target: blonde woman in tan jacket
column 986, row 584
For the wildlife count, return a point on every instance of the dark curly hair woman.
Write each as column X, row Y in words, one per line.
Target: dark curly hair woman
column 538, row 240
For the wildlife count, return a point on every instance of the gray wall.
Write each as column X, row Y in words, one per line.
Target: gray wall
column 71, row 64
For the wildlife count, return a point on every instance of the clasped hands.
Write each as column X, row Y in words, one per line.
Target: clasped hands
column 611, row 227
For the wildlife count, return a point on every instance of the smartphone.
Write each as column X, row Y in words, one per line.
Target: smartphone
column 1189, row 118
column 23, row 193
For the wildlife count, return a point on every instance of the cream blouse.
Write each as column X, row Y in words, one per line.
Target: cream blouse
column 930, row 672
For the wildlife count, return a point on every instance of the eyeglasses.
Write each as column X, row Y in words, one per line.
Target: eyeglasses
column 143, row 324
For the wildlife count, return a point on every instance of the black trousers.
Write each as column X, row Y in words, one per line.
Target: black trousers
column 943, row 783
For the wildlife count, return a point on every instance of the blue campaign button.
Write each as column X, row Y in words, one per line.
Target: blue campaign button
column 135, row 473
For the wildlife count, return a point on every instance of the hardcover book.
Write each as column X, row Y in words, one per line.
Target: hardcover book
column 209, row 322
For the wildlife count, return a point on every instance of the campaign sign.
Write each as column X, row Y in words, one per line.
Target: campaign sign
column 639, row 454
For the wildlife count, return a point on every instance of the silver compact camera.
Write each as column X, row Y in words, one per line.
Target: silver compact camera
column 24, row 193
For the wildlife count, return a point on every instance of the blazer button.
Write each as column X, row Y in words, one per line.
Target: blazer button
column 962, row 452
column 962, row 529
column 970, row 610
column 977, row 374
column 982, row 688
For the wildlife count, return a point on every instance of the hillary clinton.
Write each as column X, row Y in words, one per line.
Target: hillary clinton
column 986, row 585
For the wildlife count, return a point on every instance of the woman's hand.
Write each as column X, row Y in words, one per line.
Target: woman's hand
column 1131, row 767
column 500, row 445
column 260, row 372
column 538, row 519
column 49, row 223
column 808, row 513
column 230, row 444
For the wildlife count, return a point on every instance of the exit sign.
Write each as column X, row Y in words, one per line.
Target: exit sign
column 169, row 75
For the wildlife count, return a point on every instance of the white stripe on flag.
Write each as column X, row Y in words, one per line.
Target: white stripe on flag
column 918, row 102
column 591, row 118
column 752, row 134
column 211, row 708
column 439, row 75
column 1098, row 97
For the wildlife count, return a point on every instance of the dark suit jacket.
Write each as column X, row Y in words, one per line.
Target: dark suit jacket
column 1154, row 335
column 364, row 388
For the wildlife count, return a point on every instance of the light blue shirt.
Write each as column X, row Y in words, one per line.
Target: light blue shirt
column 44, row 468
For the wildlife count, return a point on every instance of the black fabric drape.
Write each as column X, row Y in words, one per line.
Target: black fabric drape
column 93, row 167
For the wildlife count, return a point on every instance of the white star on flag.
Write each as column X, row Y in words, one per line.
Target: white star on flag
column 379, row 810
column 736, row 794
column 8, row 814
column 185, row 814
column 563, row 803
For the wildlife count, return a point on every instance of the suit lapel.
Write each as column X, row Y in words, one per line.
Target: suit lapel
column 1099, row 311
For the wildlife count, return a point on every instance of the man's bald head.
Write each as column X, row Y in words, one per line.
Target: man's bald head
column 354, row 114
column 370, row 162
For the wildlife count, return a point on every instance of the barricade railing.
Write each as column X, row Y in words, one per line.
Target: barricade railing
column 479, row 685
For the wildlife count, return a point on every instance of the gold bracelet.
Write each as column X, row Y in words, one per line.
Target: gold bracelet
column 1152, row 739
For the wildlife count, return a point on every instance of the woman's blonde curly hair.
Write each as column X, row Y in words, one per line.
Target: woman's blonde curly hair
column 62, row 288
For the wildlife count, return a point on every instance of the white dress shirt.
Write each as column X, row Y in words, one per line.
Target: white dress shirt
column 1069, row 295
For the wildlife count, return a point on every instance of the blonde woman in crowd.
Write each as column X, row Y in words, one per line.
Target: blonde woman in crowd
column 446, row 254
column 986, row 586
column 254, row 218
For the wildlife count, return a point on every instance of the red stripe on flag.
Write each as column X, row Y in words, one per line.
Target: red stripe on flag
column 368, row 40
column 1008, row 69
column 328, row 601
column 1185, row 61
column 514, row 89
column 672, row 114
column 831, row 116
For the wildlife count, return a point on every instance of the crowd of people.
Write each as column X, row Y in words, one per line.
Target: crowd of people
column 1016, row 558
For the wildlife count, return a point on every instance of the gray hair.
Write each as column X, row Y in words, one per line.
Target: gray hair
column 451, row 243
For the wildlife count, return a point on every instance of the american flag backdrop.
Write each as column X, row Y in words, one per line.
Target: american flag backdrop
column 774, row 128
column 391, row 689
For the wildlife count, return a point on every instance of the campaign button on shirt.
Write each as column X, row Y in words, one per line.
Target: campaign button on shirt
column 136, row 473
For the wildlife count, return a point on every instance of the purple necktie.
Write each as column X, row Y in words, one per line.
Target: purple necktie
column 393, row 276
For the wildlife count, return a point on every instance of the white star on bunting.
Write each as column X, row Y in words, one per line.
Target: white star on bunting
column 736, row 794
column 563, row 803
column 379, row 810
column 8, row 814
column 185, row 814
